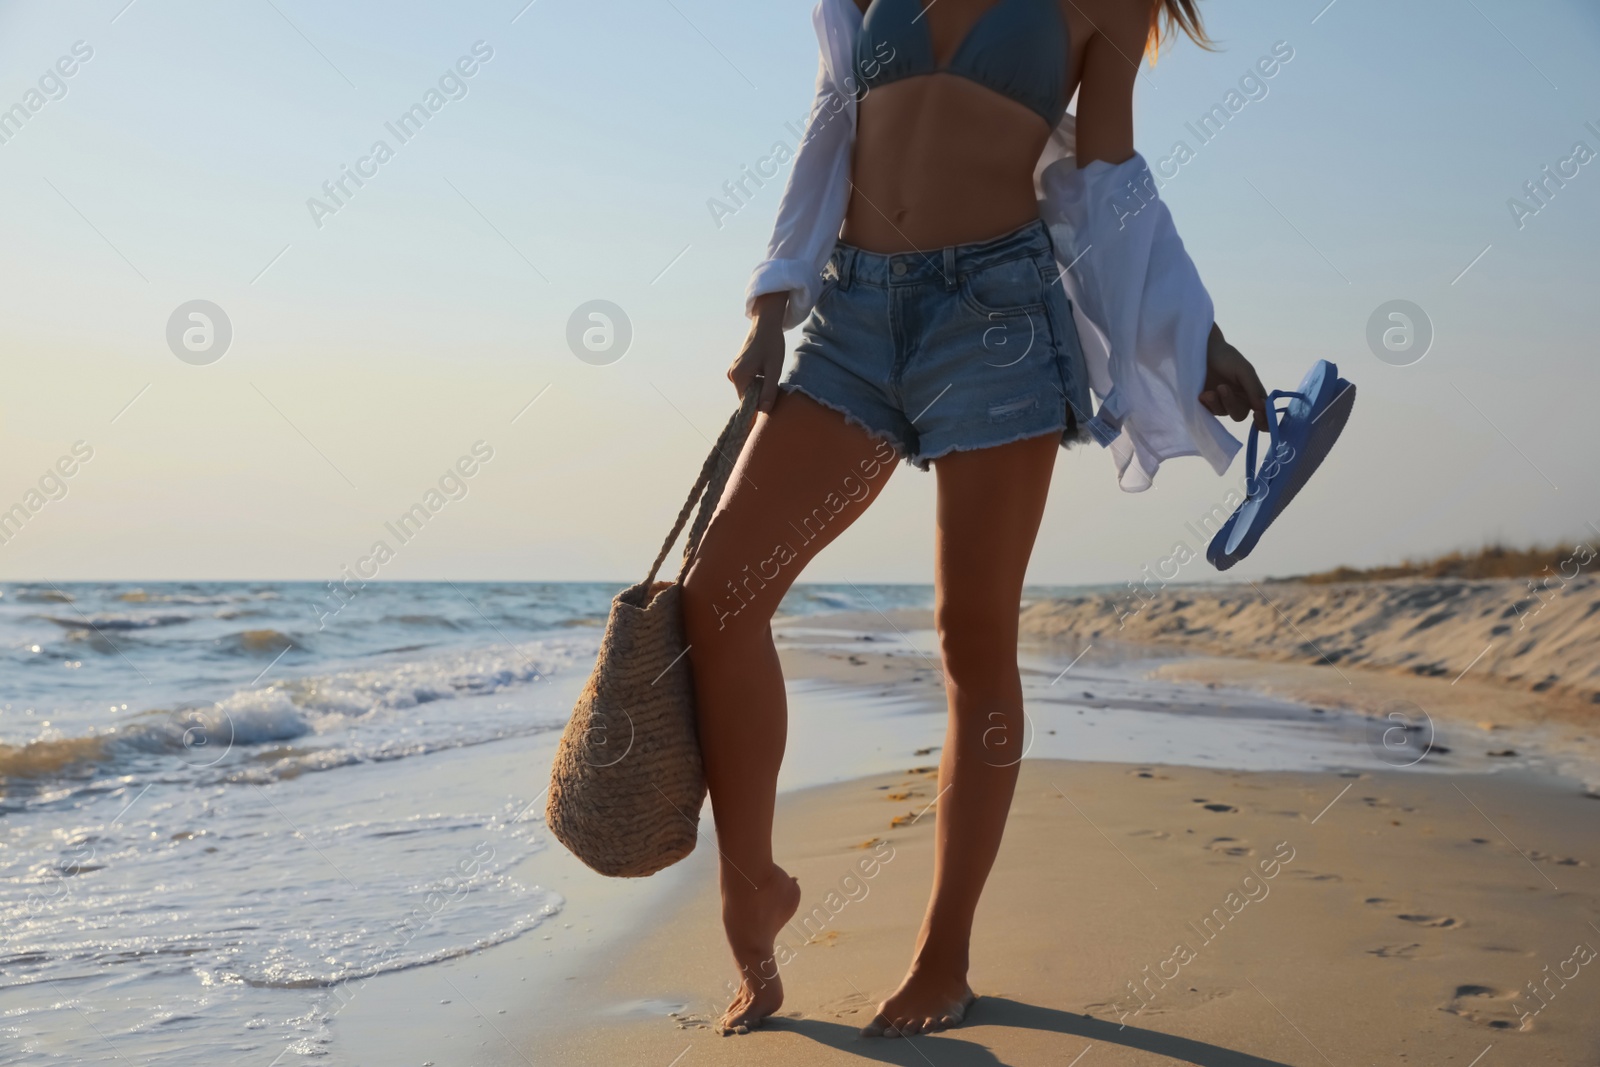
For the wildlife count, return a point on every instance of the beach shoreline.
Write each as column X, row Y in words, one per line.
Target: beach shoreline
column 1208, row 916
column 1397, row 891
column 1403, row 891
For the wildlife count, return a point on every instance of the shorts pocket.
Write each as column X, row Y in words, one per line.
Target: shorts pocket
column 1013, row 287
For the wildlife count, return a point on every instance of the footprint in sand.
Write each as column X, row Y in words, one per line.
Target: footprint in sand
column 1487, row 1006
column 1214, row 805
column 849, row 1004
column 1559, row 861
column 1438, row 922
column 1314, row 876
column 1395, row 952
column 1230, row 846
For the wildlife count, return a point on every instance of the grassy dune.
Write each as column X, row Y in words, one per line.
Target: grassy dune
column 1490, row 561
column 1537, row 635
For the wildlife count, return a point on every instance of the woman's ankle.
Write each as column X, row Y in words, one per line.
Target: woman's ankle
column 745, row 879
column 942, row 955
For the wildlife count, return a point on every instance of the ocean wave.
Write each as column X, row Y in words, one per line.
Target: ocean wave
column 283, row 764
column 835, row 601
column 115, row 621
column 296, row 976
column 204, row 736
column 42, row 596
column 194, row 734
column 142, row 596
column 49, row 758
column 422, row 620
column 265, row 642
column 409, row 683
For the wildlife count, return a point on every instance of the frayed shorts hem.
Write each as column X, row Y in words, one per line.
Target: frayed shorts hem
column 790, row 386
column 924, row 460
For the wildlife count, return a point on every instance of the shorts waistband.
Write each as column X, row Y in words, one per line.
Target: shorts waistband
column 943, row 265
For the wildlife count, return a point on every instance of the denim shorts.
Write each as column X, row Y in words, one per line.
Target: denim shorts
column 964, row 347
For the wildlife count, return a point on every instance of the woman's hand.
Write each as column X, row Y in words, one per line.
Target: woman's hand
column 1231, row 388
column 762, row 353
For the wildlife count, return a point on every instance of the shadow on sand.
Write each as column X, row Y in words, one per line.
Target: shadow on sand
column 954, row 1050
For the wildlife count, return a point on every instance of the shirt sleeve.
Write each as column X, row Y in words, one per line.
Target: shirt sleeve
column 815, row 196
column 1149, row 315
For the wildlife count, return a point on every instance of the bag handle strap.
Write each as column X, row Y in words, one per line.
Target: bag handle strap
column 708, row 487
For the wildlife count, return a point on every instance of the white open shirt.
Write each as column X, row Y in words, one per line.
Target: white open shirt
column 1142, row 313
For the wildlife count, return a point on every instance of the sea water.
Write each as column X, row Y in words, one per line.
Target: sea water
column 220, row 812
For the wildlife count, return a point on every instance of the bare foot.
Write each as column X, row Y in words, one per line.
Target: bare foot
column 928, row 1000
column 752, row 917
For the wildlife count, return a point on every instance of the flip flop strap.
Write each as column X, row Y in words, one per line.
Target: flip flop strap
column 1272, row 431
column 707, row 491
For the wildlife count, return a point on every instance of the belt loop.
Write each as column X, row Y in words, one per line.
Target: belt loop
column 847, row 263
column 950, row 268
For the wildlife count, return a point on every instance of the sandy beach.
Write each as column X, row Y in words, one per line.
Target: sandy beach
column 1446, row 911
column 1155, row 914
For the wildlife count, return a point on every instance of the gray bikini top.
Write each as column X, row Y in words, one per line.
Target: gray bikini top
column 1017, row 47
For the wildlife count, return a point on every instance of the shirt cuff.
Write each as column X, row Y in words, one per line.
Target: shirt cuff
column 1106, row 426
column 799, row 278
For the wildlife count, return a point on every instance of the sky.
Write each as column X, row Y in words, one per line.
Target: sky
column 415, row 326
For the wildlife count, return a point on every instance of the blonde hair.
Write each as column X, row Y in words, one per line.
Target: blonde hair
column 1168, row 18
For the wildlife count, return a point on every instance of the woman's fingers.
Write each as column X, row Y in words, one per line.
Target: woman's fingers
column 1236, row 403
column 1255, row 392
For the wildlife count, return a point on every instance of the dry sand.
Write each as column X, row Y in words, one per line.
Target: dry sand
column 1147, row 915
column 1534, row 641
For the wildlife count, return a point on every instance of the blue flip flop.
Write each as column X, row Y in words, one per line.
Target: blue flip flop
column 1302, row 434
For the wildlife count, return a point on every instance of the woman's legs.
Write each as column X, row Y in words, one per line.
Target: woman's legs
column 990, row 504
column 804, row 476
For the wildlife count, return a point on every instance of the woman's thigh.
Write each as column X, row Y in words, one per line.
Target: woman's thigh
column 804, row 476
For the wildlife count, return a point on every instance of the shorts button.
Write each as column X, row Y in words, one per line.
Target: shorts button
column 899, row 268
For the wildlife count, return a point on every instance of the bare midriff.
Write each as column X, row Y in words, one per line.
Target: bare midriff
column 940, row 160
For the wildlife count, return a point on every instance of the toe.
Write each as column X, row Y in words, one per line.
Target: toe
column 876, row 1028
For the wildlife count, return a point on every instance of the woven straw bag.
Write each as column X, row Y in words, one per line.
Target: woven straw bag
column 627, row 784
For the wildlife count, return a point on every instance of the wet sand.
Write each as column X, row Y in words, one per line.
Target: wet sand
column 1155, row 914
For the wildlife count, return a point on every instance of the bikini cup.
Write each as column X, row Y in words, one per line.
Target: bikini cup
column 1018, row 48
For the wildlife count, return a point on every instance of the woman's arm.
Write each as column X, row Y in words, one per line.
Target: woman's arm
column 1105, row 132
column 785, row 284
column 1105, row 85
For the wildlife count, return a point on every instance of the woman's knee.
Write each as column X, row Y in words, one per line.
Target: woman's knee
column 977, row 641
column 723, row 603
